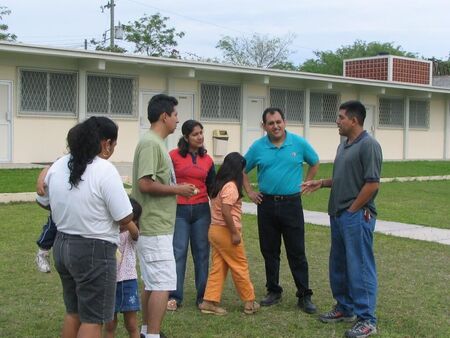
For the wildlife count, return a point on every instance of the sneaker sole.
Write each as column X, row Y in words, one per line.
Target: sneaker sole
column 342, row 319
column 364, row 335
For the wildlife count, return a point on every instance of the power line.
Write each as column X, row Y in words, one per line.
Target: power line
column 187, row 17
column 208, row 22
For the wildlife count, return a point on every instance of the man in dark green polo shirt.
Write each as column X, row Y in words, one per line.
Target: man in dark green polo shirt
column 354, row 186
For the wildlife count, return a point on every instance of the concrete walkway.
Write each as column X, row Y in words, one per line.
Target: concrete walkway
column 397, row 229
column 412, row 231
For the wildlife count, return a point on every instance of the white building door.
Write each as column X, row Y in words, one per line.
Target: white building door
column 5, row 121
column 185, row 112
column 144, row 99
column 253, row 118
column 369, row 124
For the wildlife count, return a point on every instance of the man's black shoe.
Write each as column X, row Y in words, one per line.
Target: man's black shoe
column 306, row 305
column 271, row 298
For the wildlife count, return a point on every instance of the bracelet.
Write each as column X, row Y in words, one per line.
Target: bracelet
column 321, row 183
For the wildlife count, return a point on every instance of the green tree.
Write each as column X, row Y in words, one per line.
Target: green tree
column 4, row 35
column 256, row 51
column 151, row 36
column 105, row 46
column 441, row 67
column 329, row 62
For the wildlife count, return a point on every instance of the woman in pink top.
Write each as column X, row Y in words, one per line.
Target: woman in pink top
column 127, row 296
column 225, row 236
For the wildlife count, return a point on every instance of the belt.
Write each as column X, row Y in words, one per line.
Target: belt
column 278, row 198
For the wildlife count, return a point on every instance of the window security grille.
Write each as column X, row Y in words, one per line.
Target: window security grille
column 392, row 112
column 48, row 93
column 323, row 108
column 220, row 102
column 419, row 114
column 111, row 95
column 292, row 102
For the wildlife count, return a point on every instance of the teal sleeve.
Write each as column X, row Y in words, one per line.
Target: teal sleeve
column 309, row 154
column 250, row 159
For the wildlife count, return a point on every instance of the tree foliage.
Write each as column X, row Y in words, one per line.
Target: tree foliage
column 151, row 36
column 329, row 62
column 106, row 47
column 4, row 35
column 441, row 67
column 256, row 51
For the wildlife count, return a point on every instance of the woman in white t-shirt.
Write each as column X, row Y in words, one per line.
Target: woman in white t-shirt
column 88, row 203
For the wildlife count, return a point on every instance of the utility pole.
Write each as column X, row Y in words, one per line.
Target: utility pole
column 110, row 5
column 112, row 24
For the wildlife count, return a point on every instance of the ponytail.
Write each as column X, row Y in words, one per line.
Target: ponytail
column 84, row 142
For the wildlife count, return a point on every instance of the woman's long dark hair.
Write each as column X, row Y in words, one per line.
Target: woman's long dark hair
column 186, row 130
column 84, row 142
column 231, row 170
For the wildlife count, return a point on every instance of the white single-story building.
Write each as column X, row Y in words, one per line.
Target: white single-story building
column 44, row 91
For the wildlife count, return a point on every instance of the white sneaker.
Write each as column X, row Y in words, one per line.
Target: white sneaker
column 42, row 261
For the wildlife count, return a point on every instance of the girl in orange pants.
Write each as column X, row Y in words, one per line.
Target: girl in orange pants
column 228, row 251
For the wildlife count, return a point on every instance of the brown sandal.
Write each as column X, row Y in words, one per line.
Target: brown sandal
column 172, row 305
column 211, row 308
column 251, row 308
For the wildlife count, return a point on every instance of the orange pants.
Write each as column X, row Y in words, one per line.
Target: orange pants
column 226, row 256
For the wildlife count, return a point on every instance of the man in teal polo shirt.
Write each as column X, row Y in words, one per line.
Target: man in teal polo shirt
column 279, row 158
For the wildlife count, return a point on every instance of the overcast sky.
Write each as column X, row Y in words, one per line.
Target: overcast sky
column 421, row 27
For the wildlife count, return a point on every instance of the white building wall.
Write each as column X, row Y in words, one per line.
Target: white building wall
column 391, row 141
column 429, row 143
column 42, row 138
column 234, row 137
column 325, row 141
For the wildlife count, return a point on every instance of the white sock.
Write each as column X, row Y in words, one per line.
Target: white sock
column 42, row 252
column 144, row 329
column 152, row 335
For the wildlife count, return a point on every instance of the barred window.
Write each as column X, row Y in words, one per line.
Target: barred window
column 292, row 102
column 220, row 102
column 419, row 114
column 324, row 108
column 112, row 95
column 43, row 92
column 392, row 112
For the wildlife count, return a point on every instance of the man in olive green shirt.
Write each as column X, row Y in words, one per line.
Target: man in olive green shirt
column 155, row 188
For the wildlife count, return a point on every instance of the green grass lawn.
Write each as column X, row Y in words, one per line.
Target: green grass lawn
column 390, row 169
column 413, row 289
column 425, row 203
column 24, row 180
column 18, row 180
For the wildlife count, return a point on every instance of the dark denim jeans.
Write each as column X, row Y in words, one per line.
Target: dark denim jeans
column 191, row 225
column 87, row 269
column 353, row 275
column 278, row 218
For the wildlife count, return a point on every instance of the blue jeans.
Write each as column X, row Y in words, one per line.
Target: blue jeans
column 353, row 275
column 191, row 225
